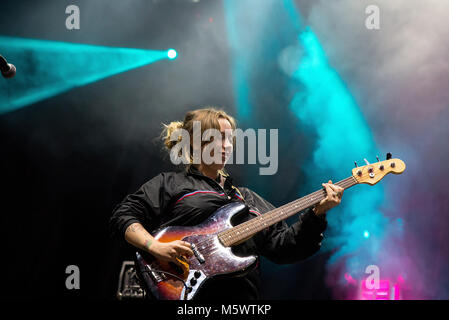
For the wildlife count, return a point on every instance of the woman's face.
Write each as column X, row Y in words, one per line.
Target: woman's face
column 224, row 145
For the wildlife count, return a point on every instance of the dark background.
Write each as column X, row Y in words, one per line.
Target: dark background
column 68, row 160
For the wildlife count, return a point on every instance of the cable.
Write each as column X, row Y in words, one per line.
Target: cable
column 172, row 274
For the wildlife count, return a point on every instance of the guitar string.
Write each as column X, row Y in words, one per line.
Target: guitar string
column 345, row 183
column 285, row 210
column 289, row 208
column 255, row 225
column 307, row 200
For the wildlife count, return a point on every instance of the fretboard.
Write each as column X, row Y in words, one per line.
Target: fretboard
column 247, row 229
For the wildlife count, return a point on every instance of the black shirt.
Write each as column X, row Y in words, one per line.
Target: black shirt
column 187, row 198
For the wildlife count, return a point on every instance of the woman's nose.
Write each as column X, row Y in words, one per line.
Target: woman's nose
column 227, row 145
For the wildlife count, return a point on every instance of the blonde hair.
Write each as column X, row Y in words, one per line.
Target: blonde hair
column 208, row 118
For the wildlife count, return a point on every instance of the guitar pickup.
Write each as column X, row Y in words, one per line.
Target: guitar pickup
column 197, row 254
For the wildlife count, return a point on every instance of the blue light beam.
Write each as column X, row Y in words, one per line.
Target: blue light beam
column 325, row 104
column 48, row 68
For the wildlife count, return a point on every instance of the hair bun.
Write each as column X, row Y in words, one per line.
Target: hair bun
column 168, row 131
column 208, row 119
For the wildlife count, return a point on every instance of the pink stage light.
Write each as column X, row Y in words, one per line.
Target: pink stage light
column 385, row 291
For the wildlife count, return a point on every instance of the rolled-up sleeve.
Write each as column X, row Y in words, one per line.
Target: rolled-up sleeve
column 144, row 206
column 282, row 243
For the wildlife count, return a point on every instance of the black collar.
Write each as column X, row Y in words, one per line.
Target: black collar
column 194, row 170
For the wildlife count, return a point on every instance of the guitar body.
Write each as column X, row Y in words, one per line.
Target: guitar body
column 168, row 281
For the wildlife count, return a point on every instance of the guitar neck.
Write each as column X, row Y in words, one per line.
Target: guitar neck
column 247, row 229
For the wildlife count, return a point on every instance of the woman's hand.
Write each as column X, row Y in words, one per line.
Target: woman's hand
column 170, row 251
column 333, row 198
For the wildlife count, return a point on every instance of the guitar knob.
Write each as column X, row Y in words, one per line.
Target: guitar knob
column 392, row 165
column 193, row 282
column 381, row 167
column 388, row 156
column 197, row 274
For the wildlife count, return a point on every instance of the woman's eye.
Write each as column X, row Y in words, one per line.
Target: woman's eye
column 229, row 137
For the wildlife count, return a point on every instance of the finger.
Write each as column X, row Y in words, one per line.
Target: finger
column 173, row 254
column 188, row 246
column 334, row 194
column 183, row 250
column 331, row 197
column 340, row 191
column 337, row 190
column 327, row 188
column 185, row 244
column 181, row 243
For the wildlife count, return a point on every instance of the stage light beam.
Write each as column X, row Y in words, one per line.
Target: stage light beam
column 49, row 68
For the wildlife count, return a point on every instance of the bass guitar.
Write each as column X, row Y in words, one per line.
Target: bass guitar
column 212, row 240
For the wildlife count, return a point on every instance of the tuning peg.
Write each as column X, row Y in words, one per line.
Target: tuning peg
column 366, row 161
column 355, row 162
column 388, row 156
column 377, row 159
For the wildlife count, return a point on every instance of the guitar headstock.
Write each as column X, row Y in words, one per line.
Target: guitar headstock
column 372, row 173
